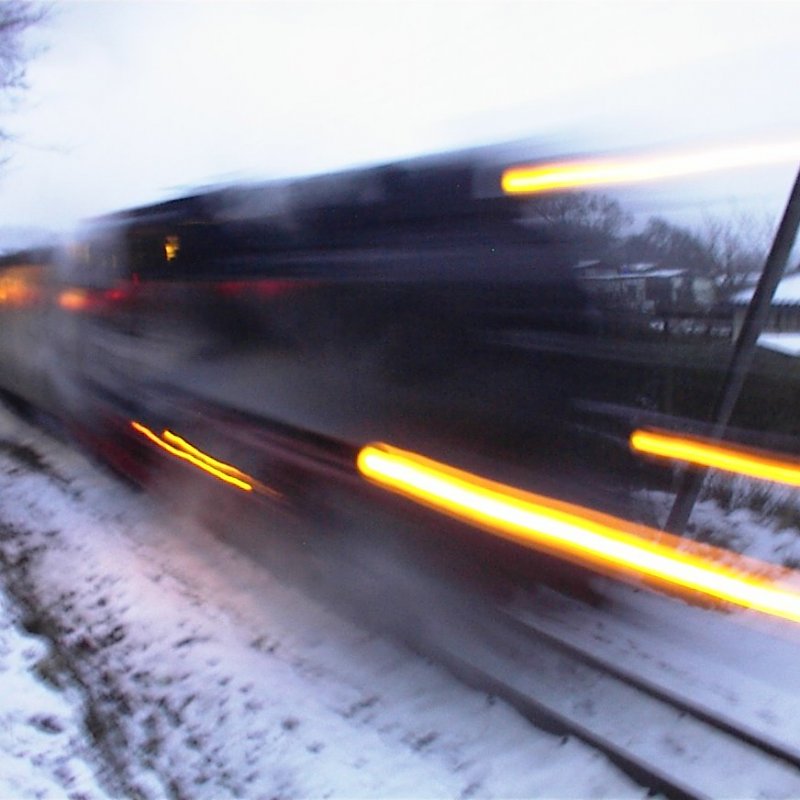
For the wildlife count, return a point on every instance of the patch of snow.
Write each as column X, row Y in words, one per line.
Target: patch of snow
column 788, row 292
column 764, row 534
column 786, row 343
column 45, row 750
column 665, row 273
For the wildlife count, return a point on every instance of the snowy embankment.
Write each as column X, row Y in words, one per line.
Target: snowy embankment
column 195, row 673
column 44, row 751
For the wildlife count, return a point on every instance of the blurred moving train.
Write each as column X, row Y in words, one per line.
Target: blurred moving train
column 360, row 306
column 426, row 304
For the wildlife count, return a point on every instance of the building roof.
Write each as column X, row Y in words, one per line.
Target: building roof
column 636, row 276
column 664, row 273
column 640, row 266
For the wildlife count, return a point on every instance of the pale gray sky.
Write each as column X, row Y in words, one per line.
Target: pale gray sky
column 133, row 101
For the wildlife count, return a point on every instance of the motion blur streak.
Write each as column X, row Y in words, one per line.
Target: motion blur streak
column 201, row 463
column 181, row 443
column 73, row 300
column 581, row 534
column 724, row 457
column 639, row 169
column 15, row 291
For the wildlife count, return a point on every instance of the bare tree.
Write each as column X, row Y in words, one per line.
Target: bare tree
column 738, row 244
column 671, row 245
column 580, row 212
column 16, row 17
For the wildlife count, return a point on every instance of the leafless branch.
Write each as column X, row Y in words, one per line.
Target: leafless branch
column 16, row 18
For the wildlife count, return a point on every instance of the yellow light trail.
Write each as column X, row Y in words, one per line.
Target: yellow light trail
column 581, row 534
column 201, row 461
column 181, row 443
column 587, row 173
column 739, row 460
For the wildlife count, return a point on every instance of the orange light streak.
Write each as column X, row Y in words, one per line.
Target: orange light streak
column 16, row 290
column 581, row 534
column 201, row 461
column 73, row 300
column 639, row 169
column 705, row 453
column 181, row 443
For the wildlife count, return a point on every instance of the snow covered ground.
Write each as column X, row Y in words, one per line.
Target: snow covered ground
column 141, row 656
column 44, row 750
column 186, row 670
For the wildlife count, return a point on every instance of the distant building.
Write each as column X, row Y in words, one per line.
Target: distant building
column 782, row 327
column 594, row 268
column 645, row 287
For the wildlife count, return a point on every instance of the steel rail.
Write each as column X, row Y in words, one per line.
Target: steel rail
column 638, row 725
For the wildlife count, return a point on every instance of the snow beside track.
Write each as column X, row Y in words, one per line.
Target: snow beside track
column 44, row 749
column 203, row 676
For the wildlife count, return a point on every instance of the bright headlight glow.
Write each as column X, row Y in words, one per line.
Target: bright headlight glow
column 588, row 173
column 725, row 457
column 582, row 535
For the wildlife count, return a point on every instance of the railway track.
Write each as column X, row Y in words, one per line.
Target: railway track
column 665, row 741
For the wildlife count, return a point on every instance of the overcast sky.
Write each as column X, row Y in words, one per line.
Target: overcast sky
column 134, row 101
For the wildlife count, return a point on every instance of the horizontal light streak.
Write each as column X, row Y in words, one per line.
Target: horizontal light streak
column 589, row 173
column 196, row 458
column 725, row 457
column 182, row 444
column 581, row 534
column 17, row 289
column 73, row 300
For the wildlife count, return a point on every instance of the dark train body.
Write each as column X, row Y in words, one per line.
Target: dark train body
column 413, row 304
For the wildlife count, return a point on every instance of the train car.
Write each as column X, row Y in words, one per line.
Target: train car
column 262, row 333
column 370, row 305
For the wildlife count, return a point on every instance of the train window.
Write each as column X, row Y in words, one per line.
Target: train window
column 189, row 249
column 172, row 244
